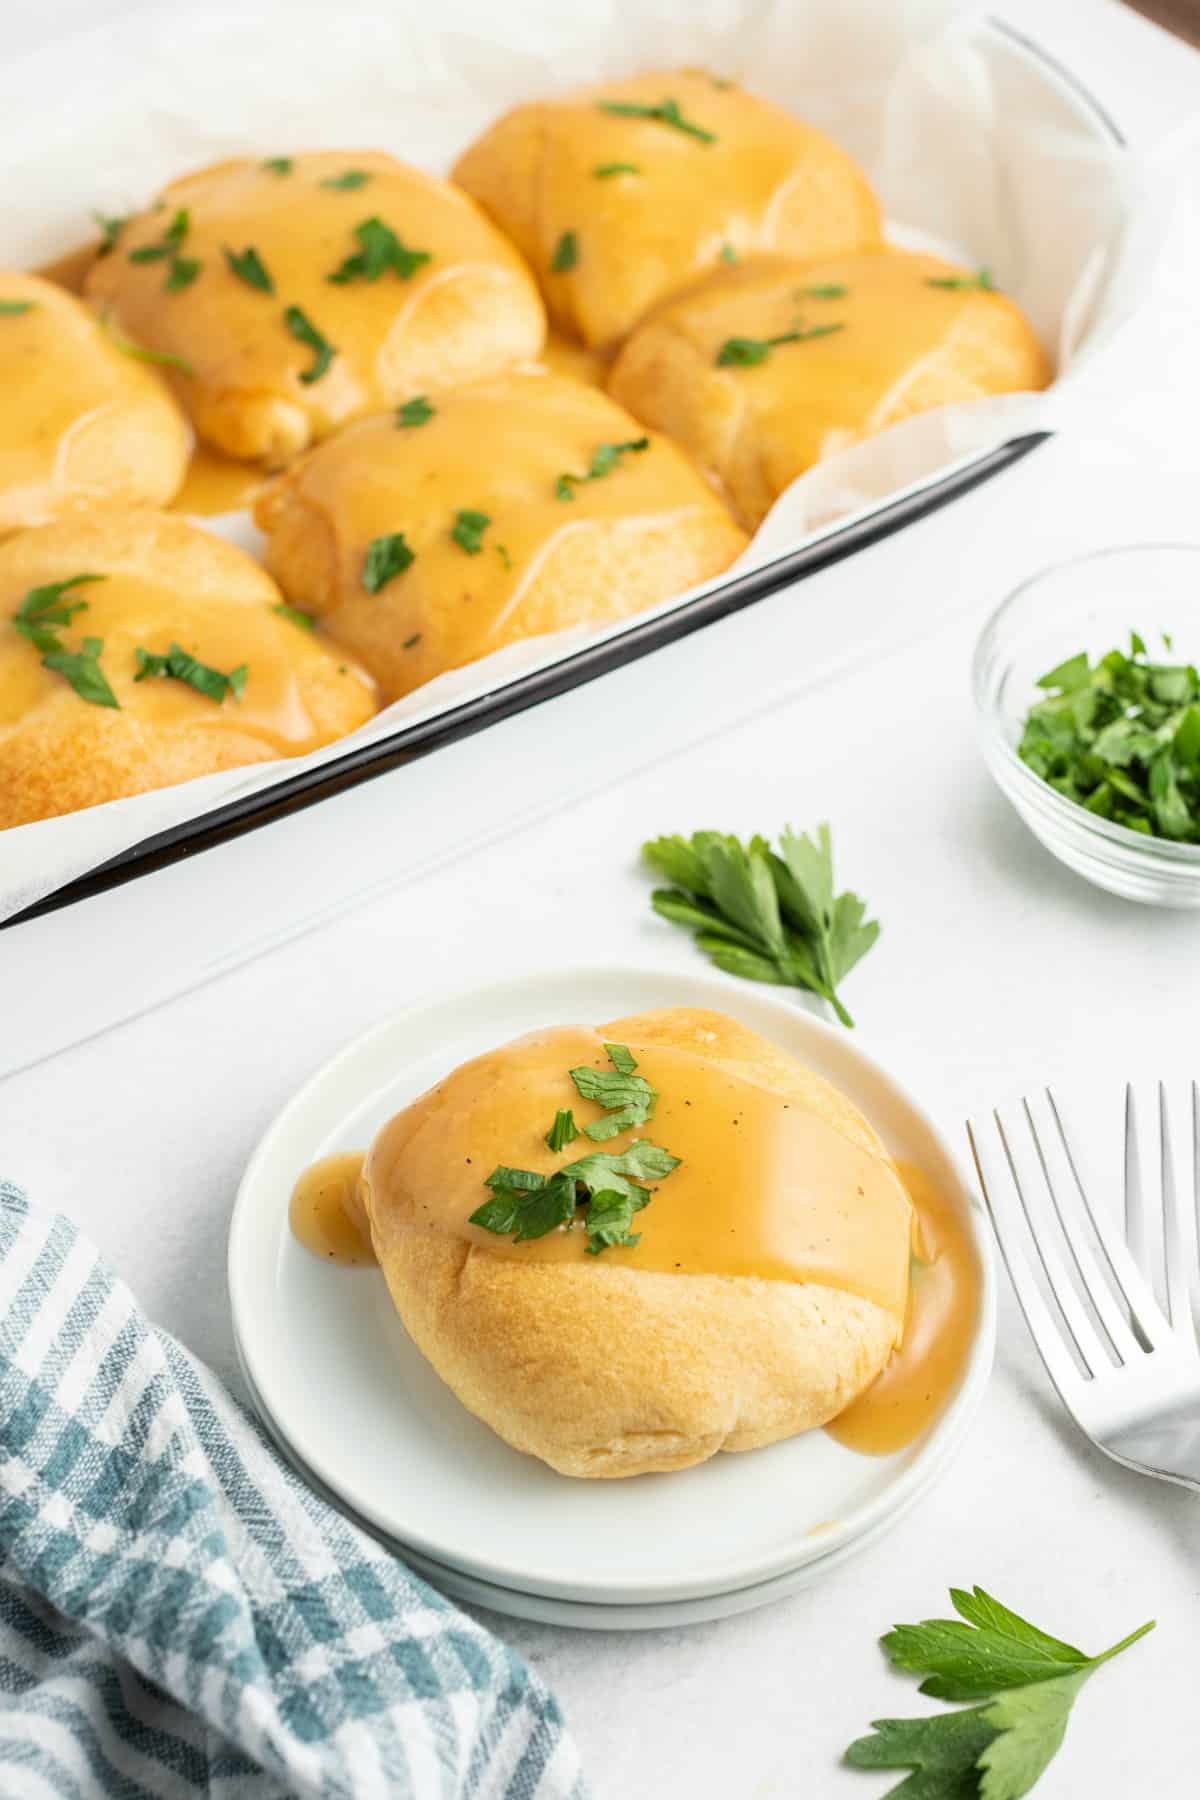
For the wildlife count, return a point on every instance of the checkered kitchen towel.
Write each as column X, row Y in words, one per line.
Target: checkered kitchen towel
column 179, row 1615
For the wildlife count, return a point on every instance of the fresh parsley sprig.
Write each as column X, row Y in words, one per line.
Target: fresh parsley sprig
column 386, row 557
column 43, row 609
column 525, row 1205
column 416, row 411
column 348, row 182
column 276, row 165
column 468, row 530
column 181, row 270
column 745, row 352
column 1121, row 737
column 12, row 309
column 667, row 112
column 764, row 915
column 301, row 327
column 566, row 253
column 82, row 669
column 605, row 458
column 982, row 281
column 180, row 665
column 249, row 267
column 379, row 250
column 628, row 1099
column 999, row 1750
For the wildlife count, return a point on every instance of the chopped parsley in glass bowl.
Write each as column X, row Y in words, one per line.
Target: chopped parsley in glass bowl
column 1089, row 705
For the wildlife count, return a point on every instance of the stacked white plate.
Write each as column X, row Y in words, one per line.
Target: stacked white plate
column 365, row 1420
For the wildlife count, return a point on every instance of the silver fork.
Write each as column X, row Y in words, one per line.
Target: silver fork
column 1126, row 1371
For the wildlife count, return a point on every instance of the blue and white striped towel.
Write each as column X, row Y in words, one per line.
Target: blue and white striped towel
column 180, row 1615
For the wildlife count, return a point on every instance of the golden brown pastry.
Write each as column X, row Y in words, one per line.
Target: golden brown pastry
column 761, row 370
column 303, row 291
column 431, row 536
column 89, row 605
column 765, row 1290
column 620, row 192
column 82, row 423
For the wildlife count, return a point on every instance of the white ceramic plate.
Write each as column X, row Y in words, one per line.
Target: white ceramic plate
column 585, row 1615
column 361, row 1408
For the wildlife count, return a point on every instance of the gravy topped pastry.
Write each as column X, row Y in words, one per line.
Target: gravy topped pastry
column 299, row 292
column 626, row 1249
column 429, row 536
column 761, row 370
column 82, row 422
column 619, row 192
column 136, row 650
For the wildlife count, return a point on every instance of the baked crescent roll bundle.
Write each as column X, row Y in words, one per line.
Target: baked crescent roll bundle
column 762, row 370
column 299, row 292
column 82, row 422
column 430, row 536
column 620, row 192
column 762, row 1289
column 138, row 650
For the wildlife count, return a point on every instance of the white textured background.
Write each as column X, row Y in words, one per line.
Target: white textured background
column 996, row 969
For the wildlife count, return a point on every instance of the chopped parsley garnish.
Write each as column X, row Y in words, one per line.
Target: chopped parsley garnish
column 468, row 531
column 1121, row 737
column 604, row 171
column 526, row 1205
column 182, row 273
column 1026, row 1680
column 764, row 916
column 982, row 279
column 43, row 609
column 628, row 1099
column 166, row 358
column 276, row 165
column 410, row 643
column 566, row 253
column 249, row 267
column 728, row 253
column 180, row 665
column 745, row 352
column 182, row 270
column 604, row 460
column 823, row 290
column 305, row 332
column 11, row 309
column 111, row 227
column 416, row 411
column 306, row 620
column 347, row 181
column 386, row 558
column 82, row 669
column 380, row 251
column 564, row 1130
column 502, row 553
column 665, row 113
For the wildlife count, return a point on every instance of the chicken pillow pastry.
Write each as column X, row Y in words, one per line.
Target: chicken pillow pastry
column 82, row 422
column 137, row 650
column 295, row 293
column 619, row 192
column 708, row 1250
column 427, row 537
column 762, row 370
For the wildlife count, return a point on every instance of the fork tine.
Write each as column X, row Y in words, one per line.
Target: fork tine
column 1135, row 1204
column 1147, row 1315
column 1059, row 1174
column 1175, row 1249
column 1010, row 1229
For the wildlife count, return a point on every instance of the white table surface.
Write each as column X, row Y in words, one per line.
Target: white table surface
column 997, row 969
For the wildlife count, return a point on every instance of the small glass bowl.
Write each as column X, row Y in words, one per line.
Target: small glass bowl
column 1091, row 603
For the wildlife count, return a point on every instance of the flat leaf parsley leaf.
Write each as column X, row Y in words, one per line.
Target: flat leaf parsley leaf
column 762, row 915
column 605, row 459
column 745, row 352
column 380, row 250
column 386, row 558
column 665, row 113
column 996, row 1751
column 180, row 665
column 304, row 331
